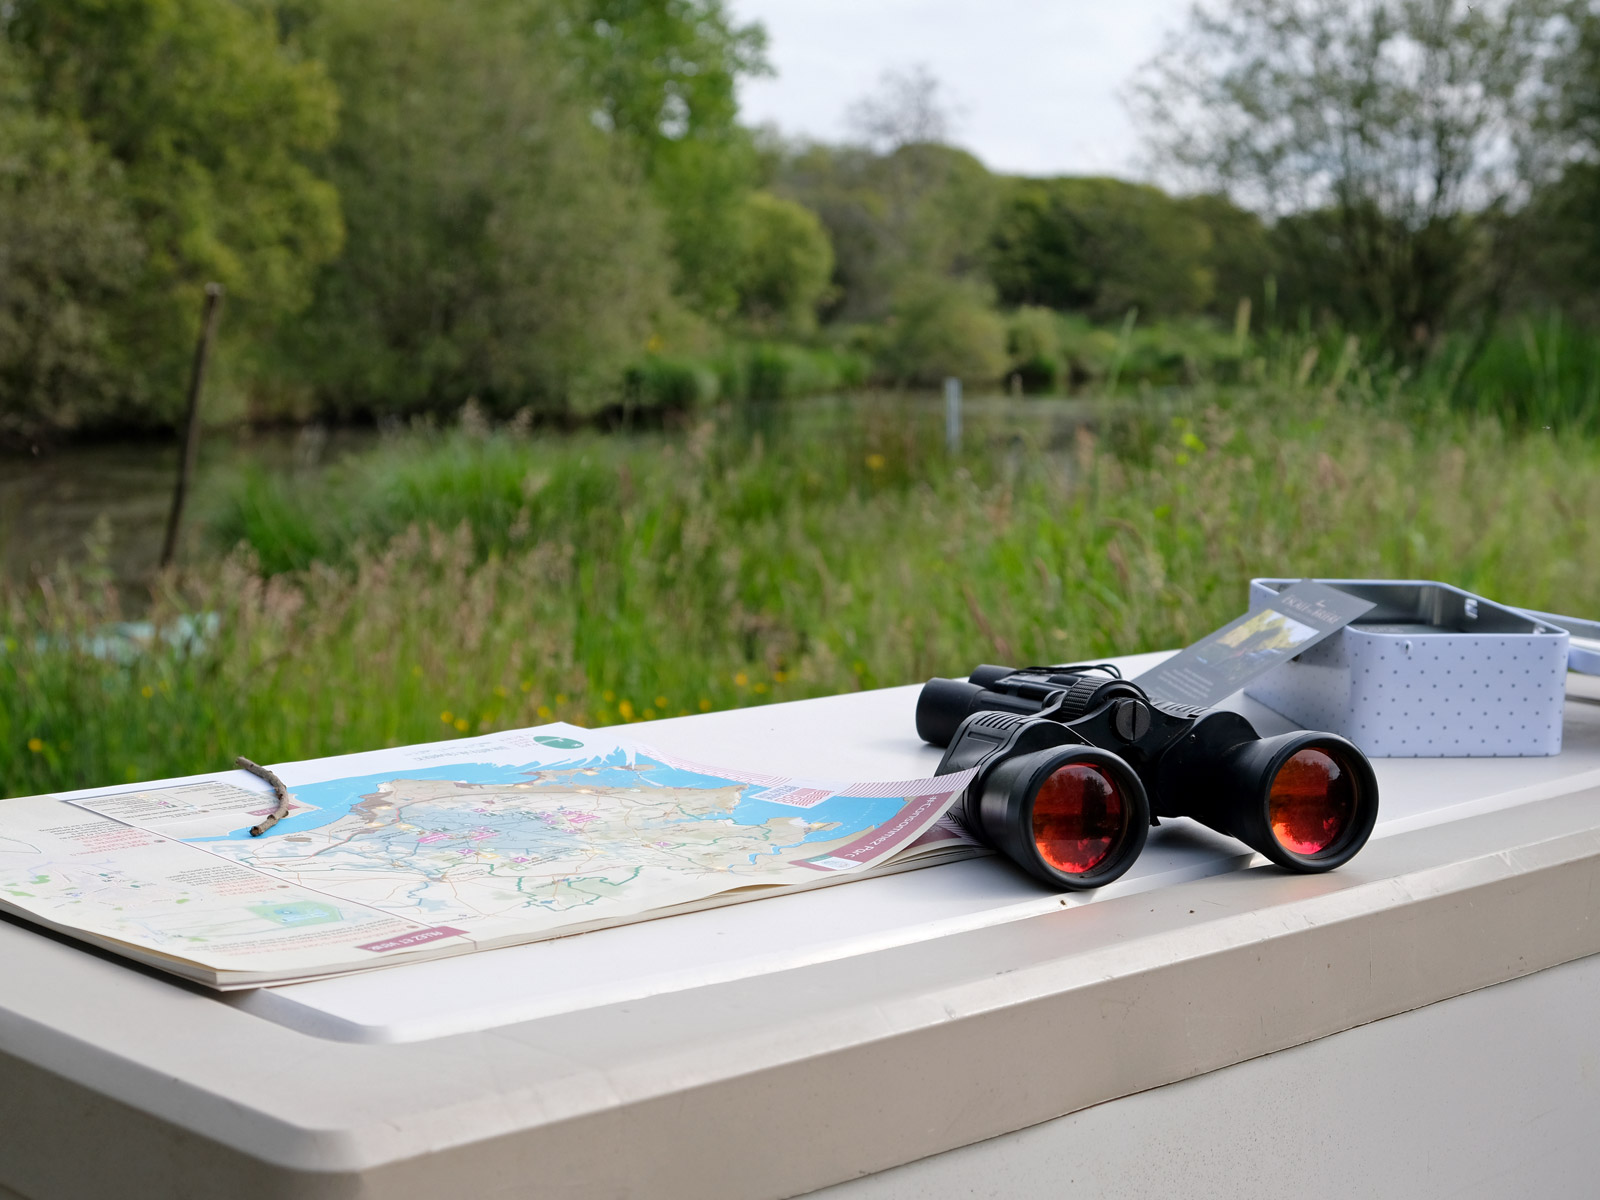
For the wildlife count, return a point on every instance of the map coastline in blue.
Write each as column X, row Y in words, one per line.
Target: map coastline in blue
column 333, row 799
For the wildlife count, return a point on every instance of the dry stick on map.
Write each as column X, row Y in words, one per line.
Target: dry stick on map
column 279, row 790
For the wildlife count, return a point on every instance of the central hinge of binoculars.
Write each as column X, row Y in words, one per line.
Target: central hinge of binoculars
column 1078, row 698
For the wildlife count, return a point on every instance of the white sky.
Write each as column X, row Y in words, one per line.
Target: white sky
column 1035, row 82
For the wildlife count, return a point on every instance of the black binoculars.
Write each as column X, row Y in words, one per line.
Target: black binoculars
column 1074, row 764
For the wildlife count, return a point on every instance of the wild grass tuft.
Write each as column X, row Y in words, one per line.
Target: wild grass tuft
column 456, row 583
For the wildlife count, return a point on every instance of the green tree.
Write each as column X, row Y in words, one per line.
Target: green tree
column 209, row 119
column 785, row 265
column 899, row 203
column 1101, row 246
column 497, row 248
column 69, row 253
column 1561, row 227
column 942, row 327
column 663, row 75
column 1413, row 127
column 1243, row 255
column 920, row 210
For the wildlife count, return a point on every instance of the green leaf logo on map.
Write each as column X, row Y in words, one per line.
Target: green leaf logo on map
column 301, row 912
column 559, row 743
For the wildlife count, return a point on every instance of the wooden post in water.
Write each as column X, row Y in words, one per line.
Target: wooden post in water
column 952, row 415
column 191, row 430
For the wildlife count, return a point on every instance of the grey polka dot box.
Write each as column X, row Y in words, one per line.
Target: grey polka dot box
column 1431, row 672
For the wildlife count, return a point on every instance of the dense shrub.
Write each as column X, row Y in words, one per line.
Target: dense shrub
column 942, row 328
column 775, row 370
column 1100, row 246
column 669, row 385
column 785, row 267
column 1033, row 346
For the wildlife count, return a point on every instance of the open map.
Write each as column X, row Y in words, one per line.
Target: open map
column 439, row 849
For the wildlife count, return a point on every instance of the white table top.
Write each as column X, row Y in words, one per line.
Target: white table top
column 483, row 991
column 777, row 1046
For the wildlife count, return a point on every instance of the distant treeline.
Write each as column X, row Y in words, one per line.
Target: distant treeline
column 552, row 205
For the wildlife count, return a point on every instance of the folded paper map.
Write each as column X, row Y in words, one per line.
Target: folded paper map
column 397, row 855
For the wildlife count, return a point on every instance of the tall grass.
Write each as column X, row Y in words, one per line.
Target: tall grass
column 459, row 582
column 1540, row 372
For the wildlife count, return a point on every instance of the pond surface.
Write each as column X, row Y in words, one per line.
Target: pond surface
column 73, row 503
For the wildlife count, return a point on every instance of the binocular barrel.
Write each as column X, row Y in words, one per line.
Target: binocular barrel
column 945, row 703
column 1075, row 817
column 1074, row 766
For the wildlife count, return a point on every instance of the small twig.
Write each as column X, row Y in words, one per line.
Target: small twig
column 279, row 790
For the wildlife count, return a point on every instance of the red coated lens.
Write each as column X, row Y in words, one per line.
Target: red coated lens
column 1079, row 815
column 1312, row 802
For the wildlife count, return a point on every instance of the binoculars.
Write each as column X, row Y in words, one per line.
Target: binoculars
column 1075, row 763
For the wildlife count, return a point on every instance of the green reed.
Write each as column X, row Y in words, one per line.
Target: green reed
column 453, row 583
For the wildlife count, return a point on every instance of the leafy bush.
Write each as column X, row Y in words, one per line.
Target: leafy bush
column 785, row 265
column 1164, row 354
column 669, row 385
column 1100, row 246
column 776, row 370
column 1033, row 345
column 942, row 328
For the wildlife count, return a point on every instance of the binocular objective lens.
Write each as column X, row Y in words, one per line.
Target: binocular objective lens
column 1079, row 816
column 1312, row 802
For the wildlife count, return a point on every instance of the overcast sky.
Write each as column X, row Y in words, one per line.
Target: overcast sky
column 1035, row 81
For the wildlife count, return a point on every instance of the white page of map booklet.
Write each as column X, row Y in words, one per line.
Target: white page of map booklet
column 424, row 851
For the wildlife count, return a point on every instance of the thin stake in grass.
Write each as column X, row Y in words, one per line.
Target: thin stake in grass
column 191, row 426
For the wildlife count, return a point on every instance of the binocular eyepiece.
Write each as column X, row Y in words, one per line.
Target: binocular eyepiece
column 1074, row 764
